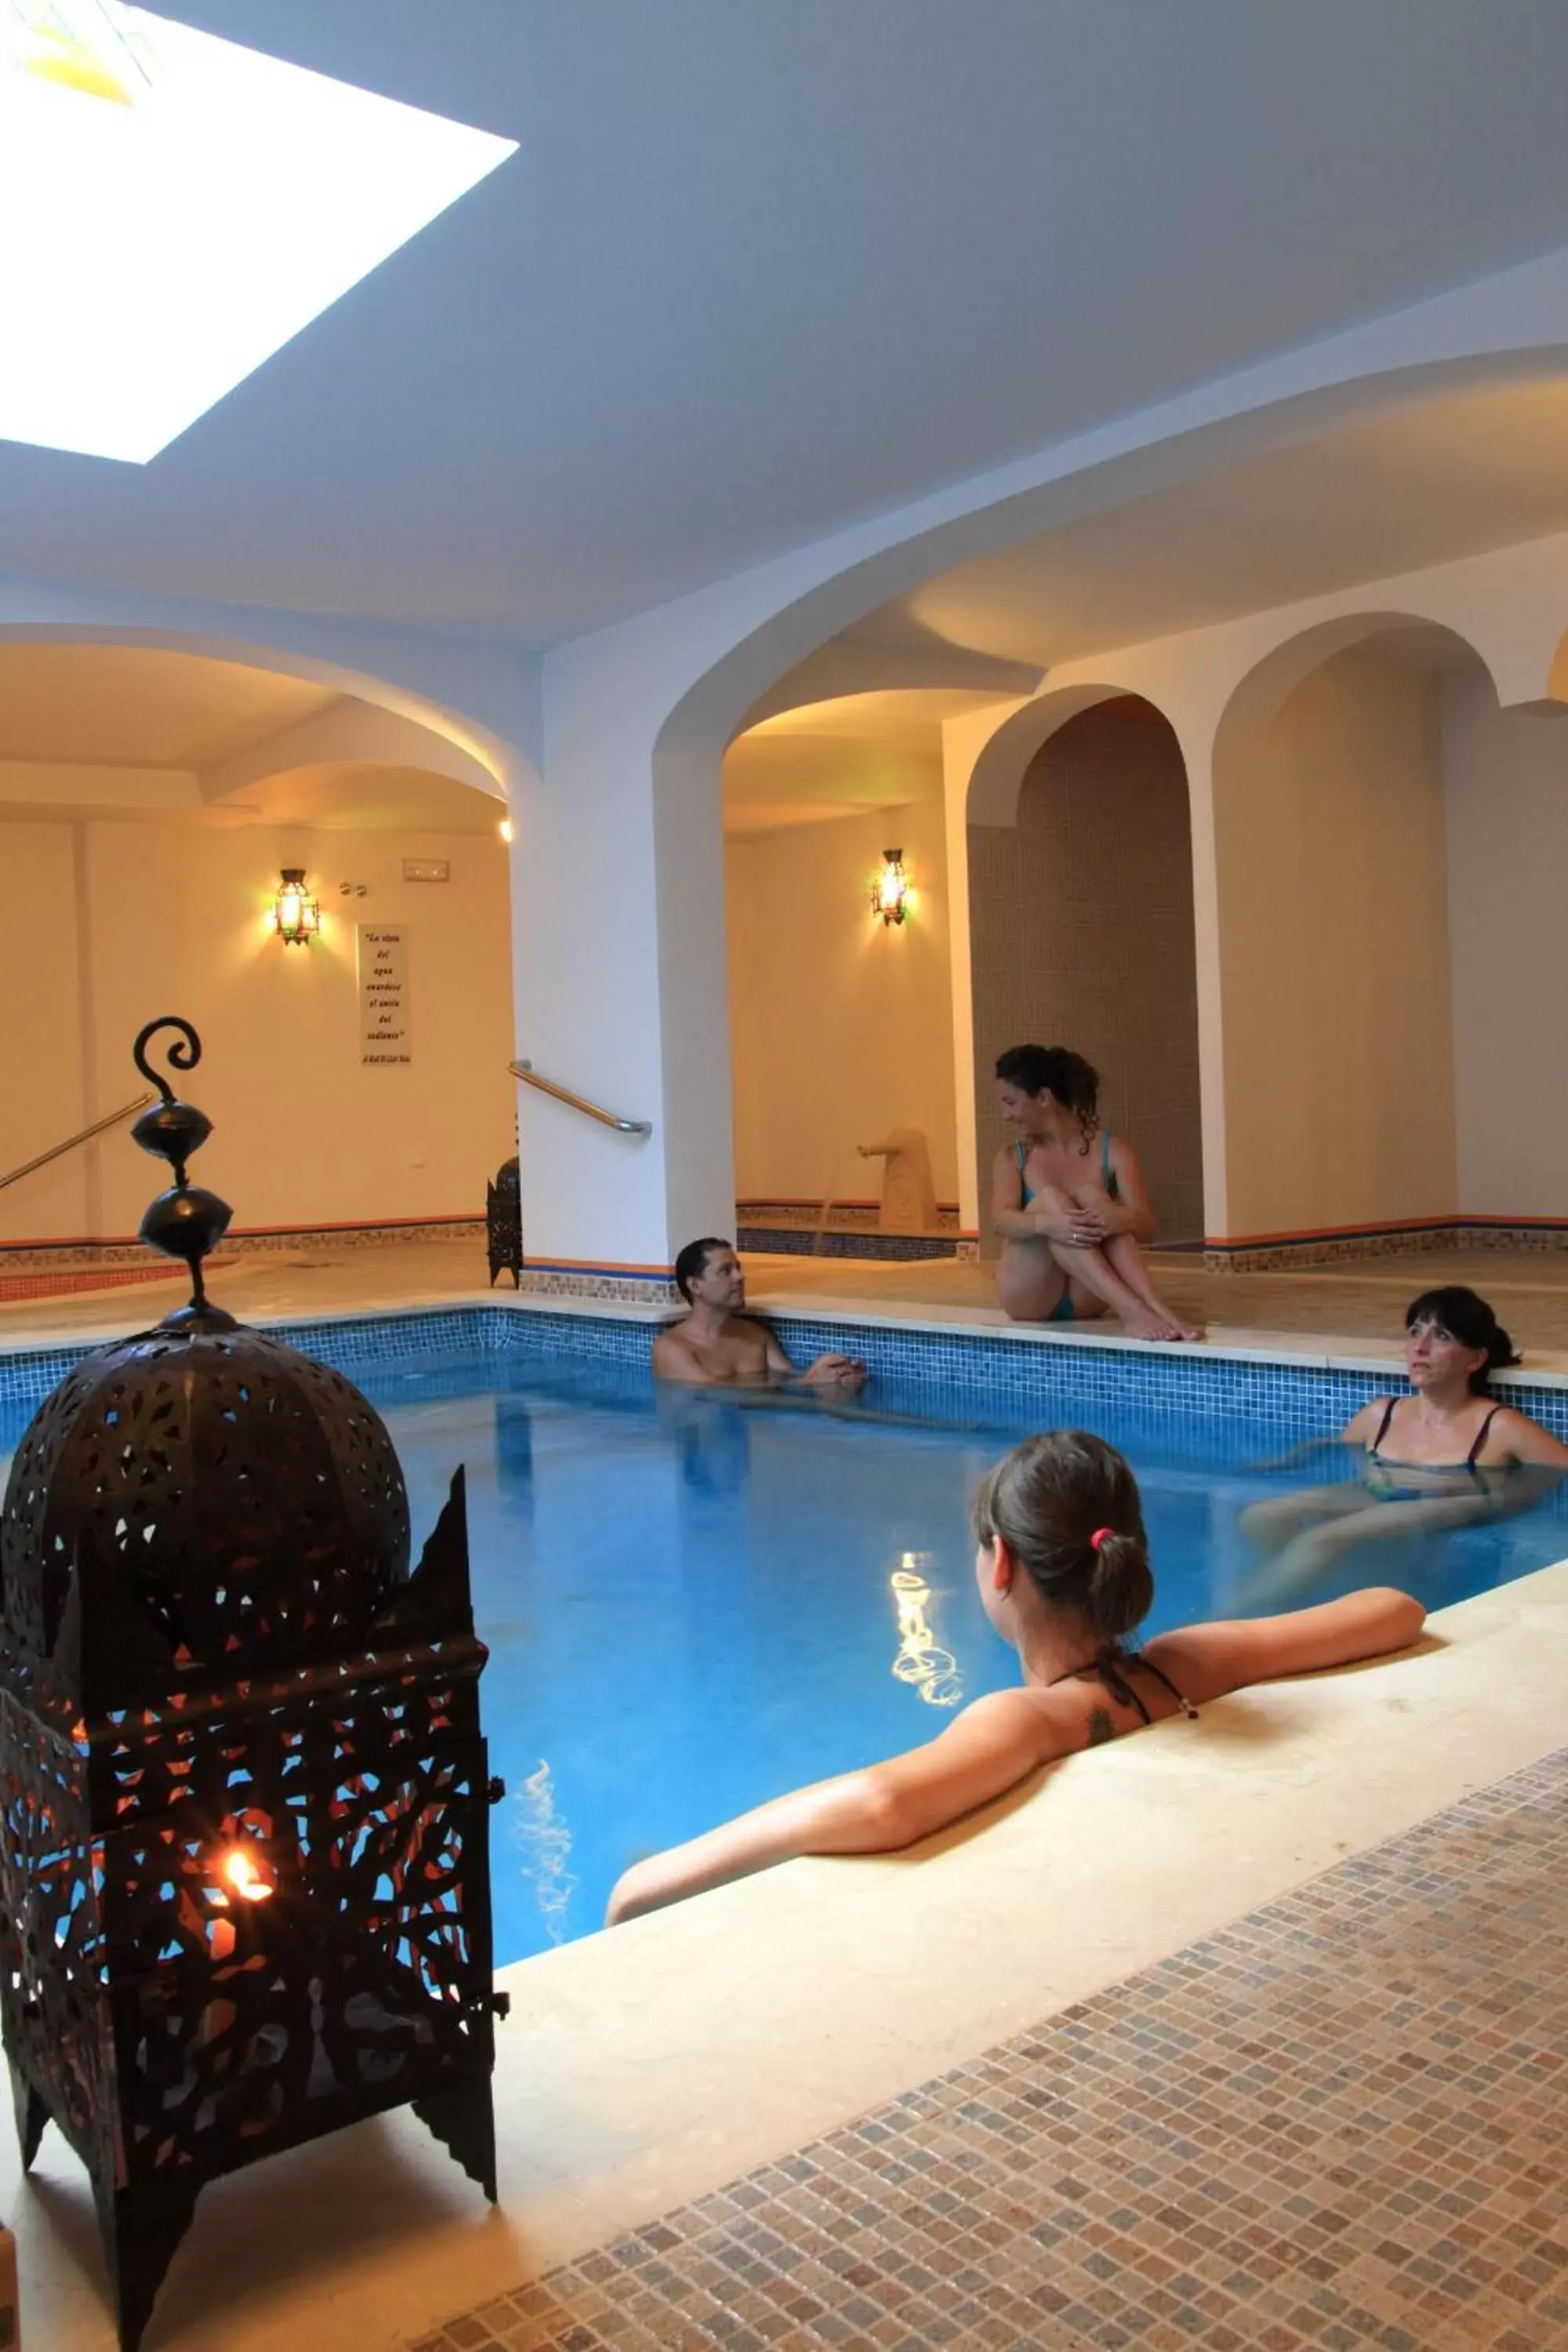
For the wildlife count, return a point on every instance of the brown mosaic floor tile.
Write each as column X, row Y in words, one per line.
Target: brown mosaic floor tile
column 1340, row 2123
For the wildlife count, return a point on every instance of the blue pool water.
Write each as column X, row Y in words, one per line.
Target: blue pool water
column 693, row 1603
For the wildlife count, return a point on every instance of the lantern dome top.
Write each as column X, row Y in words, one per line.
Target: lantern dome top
column 225, row 1504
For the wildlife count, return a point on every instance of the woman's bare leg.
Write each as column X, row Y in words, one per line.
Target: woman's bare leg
column 1318, row 1551
column 1094, row 1278
column 1127, row 1259
column 1273, row 1523
column 1029, row 1282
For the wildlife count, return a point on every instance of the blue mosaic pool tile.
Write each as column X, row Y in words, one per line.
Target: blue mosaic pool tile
column 1011, row 1377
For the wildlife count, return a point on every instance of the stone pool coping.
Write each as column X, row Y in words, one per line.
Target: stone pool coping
column 1340, row 1353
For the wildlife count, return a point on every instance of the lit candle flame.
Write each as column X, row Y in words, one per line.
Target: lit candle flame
column 244, row 1877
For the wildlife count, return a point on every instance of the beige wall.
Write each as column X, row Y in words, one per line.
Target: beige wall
column 841, row 1027
column 111, row 923
column 1334, row 957
column 1508, row 874
column 1082, row 929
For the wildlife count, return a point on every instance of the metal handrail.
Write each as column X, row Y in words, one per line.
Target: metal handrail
column 57, row 1150
column 530, row 1078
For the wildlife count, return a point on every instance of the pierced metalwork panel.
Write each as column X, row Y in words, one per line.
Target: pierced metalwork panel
column 51, row 1922
column 251, row 1497
column 363, row 1977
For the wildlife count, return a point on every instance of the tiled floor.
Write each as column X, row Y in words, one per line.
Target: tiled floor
column 1339, row 2122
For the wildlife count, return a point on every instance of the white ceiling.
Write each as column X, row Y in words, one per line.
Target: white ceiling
column 758, row 271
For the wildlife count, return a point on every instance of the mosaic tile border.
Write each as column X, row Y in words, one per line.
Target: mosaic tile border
column 804, row 1241
column 87, row 1254
column 860, row 1216
column 1351, row 1249
column 1336, row 2123
column 1022, row 1379
column 571, row 1282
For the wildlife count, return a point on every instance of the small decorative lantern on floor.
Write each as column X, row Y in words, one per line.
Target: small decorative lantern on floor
column 503, row 1223
column 244, row 1874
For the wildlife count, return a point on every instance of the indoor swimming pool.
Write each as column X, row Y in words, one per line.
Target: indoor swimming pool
column 693, row 1602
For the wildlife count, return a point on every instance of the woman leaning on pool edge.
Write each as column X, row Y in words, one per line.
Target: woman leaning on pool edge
column 1063, row 1569
column 1068, row 1200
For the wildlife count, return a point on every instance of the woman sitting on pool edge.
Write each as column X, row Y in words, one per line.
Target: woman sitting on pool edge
column 1446, row 1456
column 1068, row 1198
column 1064, row 1576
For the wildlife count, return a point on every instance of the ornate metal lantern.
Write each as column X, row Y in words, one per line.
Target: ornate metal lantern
column 294, row 914
column 244, row 1874
column 891, row 892
column 503, row 1221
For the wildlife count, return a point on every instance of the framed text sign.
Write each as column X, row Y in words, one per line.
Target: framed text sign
column 384, row 1035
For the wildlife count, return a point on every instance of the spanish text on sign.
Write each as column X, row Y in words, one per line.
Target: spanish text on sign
column 383, row 1021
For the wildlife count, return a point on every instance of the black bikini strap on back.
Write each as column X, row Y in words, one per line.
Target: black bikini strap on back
column 1473, row 1456
column 1108, row 1666
column 1188, row 1709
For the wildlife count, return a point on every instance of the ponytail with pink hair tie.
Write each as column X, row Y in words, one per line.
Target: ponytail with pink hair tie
column 1098, row 1537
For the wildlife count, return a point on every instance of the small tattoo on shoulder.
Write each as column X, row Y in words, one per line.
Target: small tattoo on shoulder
column 1100, row 1727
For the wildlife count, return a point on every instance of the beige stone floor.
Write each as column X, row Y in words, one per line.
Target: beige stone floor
column 265, row 1285
column 1355, row 1311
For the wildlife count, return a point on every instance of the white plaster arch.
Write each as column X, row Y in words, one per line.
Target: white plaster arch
column 352, row 732
column 451, row 742
column 635, row 720
column 1262, row 689
column 997, row 777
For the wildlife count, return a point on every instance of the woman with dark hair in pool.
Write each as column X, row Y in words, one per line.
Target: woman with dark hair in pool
column 1064, row 1576
column 1445, row 1456
column 1068, row 1201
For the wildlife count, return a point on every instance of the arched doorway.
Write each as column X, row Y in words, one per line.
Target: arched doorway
column 1081, row 934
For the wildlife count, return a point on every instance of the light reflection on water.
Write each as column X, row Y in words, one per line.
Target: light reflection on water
column 922, row 1660
column 546, row 1844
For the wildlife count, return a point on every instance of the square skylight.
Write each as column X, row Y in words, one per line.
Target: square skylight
column 176, row 207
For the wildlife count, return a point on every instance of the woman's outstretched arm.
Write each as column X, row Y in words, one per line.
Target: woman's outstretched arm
column 993, row 1744
column 1207, row 1660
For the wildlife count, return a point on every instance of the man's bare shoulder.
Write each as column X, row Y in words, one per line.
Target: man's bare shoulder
column 672, row 1345
column 746, row 1326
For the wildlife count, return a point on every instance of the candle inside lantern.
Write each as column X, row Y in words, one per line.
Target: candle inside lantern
column 243, row 1876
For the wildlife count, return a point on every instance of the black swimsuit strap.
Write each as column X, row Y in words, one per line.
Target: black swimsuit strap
column 1109, row 1669
column 1161, row 1676
column 1473, row 1456
column 1382, row 1424
column 1109, row 1665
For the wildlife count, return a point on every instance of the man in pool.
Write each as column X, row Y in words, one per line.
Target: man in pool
column 716, row 1346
